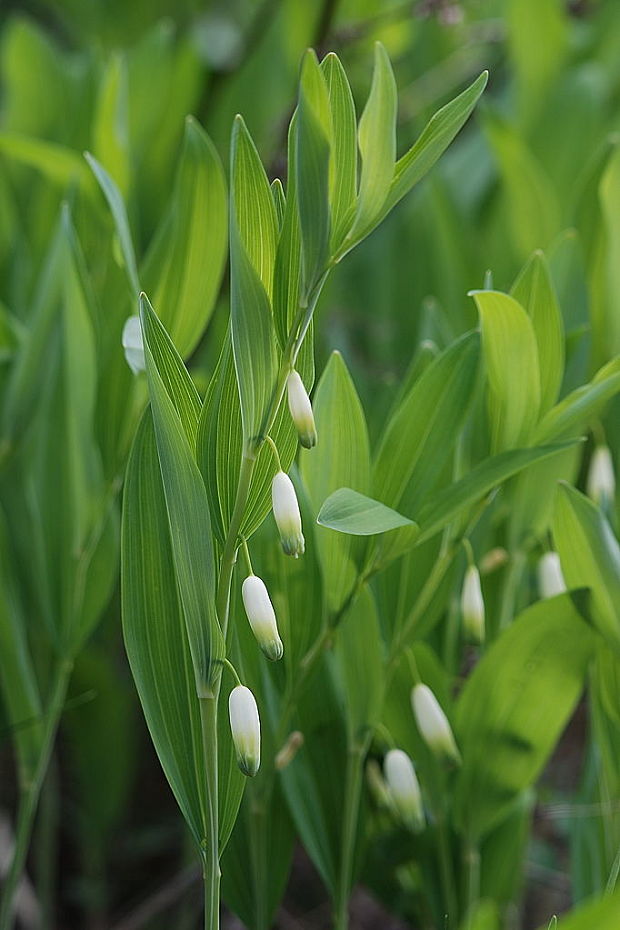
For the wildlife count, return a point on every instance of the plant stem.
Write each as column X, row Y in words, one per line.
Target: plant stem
column 211, row 857
column 31, row 791
column 353, row 788
column 447, row 873
column 511, row 588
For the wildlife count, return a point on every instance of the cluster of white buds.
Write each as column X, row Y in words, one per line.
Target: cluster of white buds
column 133, row 344
column 404, row 789
column 601, row 483
column 245, row 729
column 287, row 515
column 301, row 410
column 550, row 577
column 262, row 616
column 433, row 723
column 472, row 605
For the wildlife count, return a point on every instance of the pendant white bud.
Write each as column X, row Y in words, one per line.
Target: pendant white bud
column 472, row 605
column 261, row 616
column 245, row 729
column 550, row 577
column 133, row 344
column 433, row 723
column 601, row 483
column 403, row 788
column 301, row 410
column 286, row 513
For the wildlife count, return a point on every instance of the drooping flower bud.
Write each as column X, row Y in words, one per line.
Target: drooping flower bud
column 403, row 788
column 262, row 617
column 550, row 577
column 601, row 484
column 286, row 513
column 133, row 344
column 301, row 410
column 245, row 729
column 472, row 605
column 433, row 723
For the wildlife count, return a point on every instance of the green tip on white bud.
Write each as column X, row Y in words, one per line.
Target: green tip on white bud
column 245, row 729
column 550, row 577
column 262, row 617
column 433, row 723
column 472, row 605
column 133, row 344
column 287, row 516
column 404, row 789
column 601, row 484
column 301, row 410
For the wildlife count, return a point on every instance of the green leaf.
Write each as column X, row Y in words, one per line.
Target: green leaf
column 590, row 556
column 574, row 412
column 514, row 707
column 343, row 163
column 173, row 373
column 341, row 457
column 534, row 291
column 121, row 222
column 511, row 357
column 253, row 338
column 60, row 165
column 349, row 512
column 377, row 145
column 190, row 527
column 421, row 434
column 312, row 153
column 111, row 124
column 359, row 659
column 443, row 507
column 184, row 266
column 157, row 646
column 253, row 205
column 432, row 143
column 287, row 269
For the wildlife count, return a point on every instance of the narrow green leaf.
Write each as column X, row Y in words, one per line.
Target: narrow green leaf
column 172, row 371
column 507, row 724
column 590, row 556
column 432, row 143
column 155, row 631
column 121, row 222
column 343, row 162
column 377, row 145
column 511, row 357
column 184, row 266
column 443, row 507
column 190, row 528
column 359, row 659
column 421, row 435
column 341, row 457
column 349, row 512
column 603, row 914
column 287, row 270
column 312, row 158
column 253, row 205
column 534, row 291
column 575, row 411
column 62, row 166
column 110, row 132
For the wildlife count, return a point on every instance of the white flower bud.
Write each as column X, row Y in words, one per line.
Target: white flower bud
column 286, row 513
column 433, row 723
column 262, row 617
column 245, row 729
column 404, row 789
column 550, row 577
column 301, row 410
column 472, row 605
column 601, row 484
column 133, row 344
